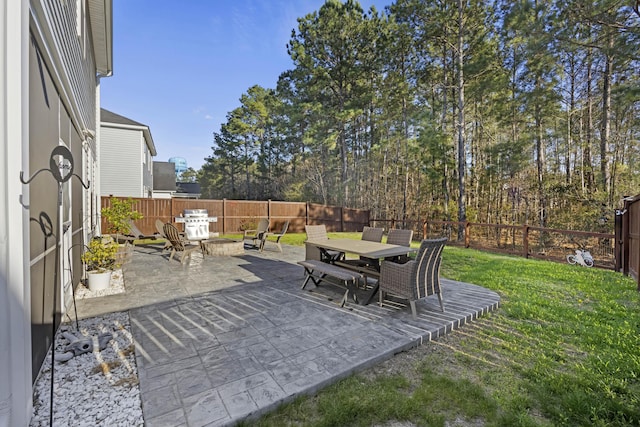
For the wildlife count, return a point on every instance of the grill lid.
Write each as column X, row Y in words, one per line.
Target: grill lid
column 195, row 212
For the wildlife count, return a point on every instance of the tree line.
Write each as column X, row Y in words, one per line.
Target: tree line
column 506, row 111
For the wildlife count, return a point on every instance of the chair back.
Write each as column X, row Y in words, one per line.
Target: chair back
column 426, row 270
column 263, row 226
column 135, row 231
column 173, row 235
column 159, row 228
column 285, row 227
column 399, row 237
column 316, row 232
column 372, row 234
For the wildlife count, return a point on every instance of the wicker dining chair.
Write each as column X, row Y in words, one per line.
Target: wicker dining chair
column 317, row 233
column 178, row 244
column 415, row 279
column 371, row 234
column 400, row 237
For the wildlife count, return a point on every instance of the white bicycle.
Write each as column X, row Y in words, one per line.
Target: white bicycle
column 581, row 257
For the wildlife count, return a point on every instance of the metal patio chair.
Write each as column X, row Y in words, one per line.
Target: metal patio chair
column 278, row 236
column 256, row 234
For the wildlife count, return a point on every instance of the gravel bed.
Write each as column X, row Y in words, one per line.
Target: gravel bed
column 95, row 388
column 116, row 286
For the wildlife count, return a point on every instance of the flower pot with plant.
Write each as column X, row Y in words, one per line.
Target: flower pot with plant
column 118, row 215
column 100, row 260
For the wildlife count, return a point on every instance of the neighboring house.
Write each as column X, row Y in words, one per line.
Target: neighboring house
column 188, row 190
column 164, row 180
column 53, row 54
column 126, row 150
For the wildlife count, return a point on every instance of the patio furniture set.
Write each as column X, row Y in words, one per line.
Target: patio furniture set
column 382, row 268
column 386, row 269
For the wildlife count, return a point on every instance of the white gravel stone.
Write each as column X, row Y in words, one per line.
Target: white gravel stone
column 116, row 286
column 95, row 388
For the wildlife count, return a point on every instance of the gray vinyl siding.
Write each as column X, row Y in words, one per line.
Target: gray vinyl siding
column 62, row 103
column 121, row 162
column 74, row 59
column 147, row 171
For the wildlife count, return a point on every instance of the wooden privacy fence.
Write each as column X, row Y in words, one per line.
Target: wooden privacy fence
column 628, row 224
column 237, row 215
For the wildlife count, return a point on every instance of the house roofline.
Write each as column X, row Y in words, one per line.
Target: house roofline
column 101, row 19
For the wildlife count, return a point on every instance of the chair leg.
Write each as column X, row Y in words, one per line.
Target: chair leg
column 412, row 303
column 440, row 298
column 380, row 297
column 173, row 251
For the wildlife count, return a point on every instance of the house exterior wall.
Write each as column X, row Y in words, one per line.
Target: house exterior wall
column 49, row 85
column 147, row 171
column 121, row 162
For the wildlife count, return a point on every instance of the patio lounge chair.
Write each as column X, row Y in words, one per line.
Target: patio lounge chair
column 137, row 234
column 256, row 235
column 178, row 244
column 319, row 233
column 416, row 279
column 278, row 236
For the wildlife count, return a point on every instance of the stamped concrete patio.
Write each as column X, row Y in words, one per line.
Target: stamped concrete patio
column 223, row 339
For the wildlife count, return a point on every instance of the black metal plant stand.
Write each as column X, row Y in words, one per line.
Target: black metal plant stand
column 61, row 168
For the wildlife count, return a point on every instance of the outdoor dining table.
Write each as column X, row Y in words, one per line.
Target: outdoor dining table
column 367, row 249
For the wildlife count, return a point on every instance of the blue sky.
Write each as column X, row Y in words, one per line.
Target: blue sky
column 181, row 67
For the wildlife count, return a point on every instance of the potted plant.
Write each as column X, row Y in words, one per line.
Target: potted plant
column 118, row 215
column 100, row 260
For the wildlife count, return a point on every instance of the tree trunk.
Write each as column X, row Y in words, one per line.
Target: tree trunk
column 462, row 213
column 606, row 116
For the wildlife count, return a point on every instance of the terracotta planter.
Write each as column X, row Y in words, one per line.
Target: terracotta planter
column 98, row 281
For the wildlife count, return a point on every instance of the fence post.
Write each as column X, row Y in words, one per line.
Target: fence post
column 424, row 229
column 269, row 210
column 224, row 215
column 341, row 219
column 306, row 214
column 625, row 239
column 617, row 230
column 525, row 240
column 467, row 238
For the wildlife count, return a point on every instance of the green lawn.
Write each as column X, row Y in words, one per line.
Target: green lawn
column 563, row 349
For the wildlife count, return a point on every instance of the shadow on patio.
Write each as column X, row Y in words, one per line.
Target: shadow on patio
column 223, row 339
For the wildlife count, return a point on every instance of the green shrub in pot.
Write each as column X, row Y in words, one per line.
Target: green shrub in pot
column 118, row 215
column 100, row 255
